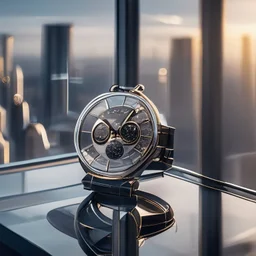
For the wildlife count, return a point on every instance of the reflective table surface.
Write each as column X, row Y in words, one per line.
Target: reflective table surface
column 24, row 206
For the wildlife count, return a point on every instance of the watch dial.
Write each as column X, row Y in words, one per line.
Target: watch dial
column 115, row 133
column 130, row 132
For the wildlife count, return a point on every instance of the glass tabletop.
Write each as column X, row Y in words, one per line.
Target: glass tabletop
column 25, row 214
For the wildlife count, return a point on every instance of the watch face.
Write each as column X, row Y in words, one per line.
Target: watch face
column 114, row 133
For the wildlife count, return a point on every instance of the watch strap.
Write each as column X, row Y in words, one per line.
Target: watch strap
column 118, row 187
column 166, row 144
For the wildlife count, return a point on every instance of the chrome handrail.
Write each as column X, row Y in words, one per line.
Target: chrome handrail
column 175, row 172
column 38, row 163
column 208, row 182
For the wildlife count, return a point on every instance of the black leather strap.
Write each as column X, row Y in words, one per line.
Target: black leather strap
column 119, row 187
column 166, row 144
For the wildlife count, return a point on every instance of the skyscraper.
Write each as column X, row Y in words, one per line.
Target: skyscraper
column 20, row 121
column 55, row 73
column 248, row 144
column 28, row 140
column 17, row 82
column 7, row 53
column 4, row 150
column 36, row 141
column 3, row 120
column 6, row 65
column 183, row 114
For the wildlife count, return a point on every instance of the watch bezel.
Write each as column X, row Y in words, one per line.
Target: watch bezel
column 130, row 172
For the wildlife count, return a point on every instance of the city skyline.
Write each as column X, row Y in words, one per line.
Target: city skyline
column 18, row 135
column 95, row 75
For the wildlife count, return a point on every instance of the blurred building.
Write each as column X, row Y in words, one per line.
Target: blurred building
column 3, row 120
column 247, row 92
column 18, row 113
column 7, row 42
column 36, row 141
column 183, row 114
column 6, row 65
column 17, row 82
column 4, row 150
column 238, row 123
column 55, row 71
column 20, row 121
column 27, row 140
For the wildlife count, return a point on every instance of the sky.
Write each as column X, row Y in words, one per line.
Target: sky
column 94, row 23
column 89, row 7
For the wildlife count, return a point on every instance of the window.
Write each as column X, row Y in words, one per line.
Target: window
column 239, row 130
column 170, row 70
column 55, row 57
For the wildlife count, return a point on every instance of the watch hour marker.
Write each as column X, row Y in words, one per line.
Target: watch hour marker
column 90, row 153
column 146, row 136
column 124, row 101
column 91, row 114
column 83, row 150
column 86, row 131
column 107, row 166
column 107, row 105
column 138, row 151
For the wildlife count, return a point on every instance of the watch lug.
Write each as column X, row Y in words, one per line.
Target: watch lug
column 138, row 88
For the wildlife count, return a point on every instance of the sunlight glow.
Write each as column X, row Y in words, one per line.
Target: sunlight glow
column 162, row 72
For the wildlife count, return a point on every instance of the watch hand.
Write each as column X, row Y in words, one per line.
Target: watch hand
column 109, row 125
column 127, row 117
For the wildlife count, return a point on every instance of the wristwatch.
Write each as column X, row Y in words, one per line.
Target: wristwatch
column 118, row 134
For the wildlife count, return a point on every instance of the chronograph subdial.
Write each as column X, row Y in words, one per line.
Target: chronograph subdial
column 101, row 133
column 114, row 150
column 130, row 132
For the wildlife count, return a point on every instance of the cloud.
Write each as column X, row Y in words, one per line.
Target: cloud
column 169, row 19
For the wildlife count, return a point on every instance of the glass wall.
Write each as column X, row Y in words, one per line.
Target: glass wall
column 238, row 127
column 170, row 70
column 55, row 56
column 239, row 123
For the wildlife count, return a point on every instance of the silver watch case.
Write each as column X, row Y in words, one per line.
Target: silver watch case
column 153, row 151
